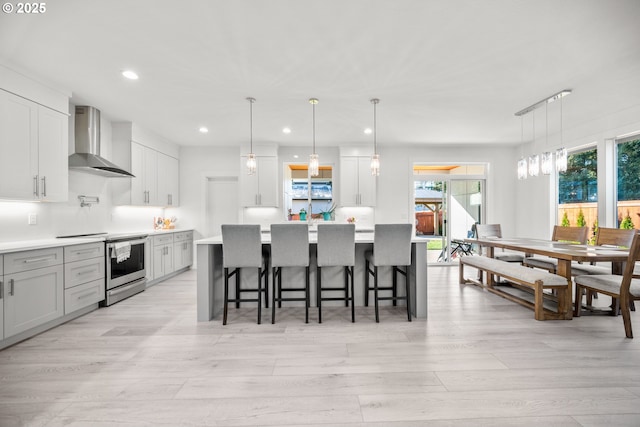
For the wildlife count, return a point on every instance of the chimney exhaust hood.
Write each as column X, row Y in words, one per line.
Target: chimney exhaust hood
column 87, row 156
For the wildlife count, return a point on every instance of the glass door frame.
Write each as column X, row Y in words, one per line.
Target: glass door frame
column 447, row 179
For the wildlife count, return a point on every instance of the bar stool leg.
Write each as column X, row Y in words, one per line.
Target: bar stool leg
column 408, row 286
column 306, row 296
column 237, row 287
column 266, row 284
column 375, row 291
column 280, row 289
column 366, row 283
column 274, row 272
column 226, row 296
column 353, row 303
column 394, row 285
column 346, row 288
column 259, row 295
column 319, row 293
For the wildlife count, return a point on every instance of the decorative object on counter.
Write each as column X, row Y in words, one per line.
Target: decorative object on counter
column 326, row 213
column 160, row 223
column 314, row 161
column 375, row 158
column 87, row 201
column 251, row 158
column 303, row 215
column 289, row 215
column 351, row 220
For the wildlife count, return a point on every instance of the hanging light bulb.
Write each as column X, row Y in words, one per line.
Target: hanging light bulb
column 546, row 159
column 375, row 158
column 561, row 153
column 314, row 161
column 252, row 164
column 522, row 163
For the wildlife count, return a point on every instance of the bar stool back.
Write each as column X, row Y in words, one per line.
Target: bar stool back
column 336, row 247
column 391, row 247
column 289, row 248
column 242, row 248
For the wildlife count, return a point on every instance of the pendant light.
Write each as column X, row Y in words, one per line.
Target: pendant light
column 534, row 160
column 251, row 158
column 314, row 161
column 561, row 153
column 546, row 158
column 375, row 158
column 522, row 163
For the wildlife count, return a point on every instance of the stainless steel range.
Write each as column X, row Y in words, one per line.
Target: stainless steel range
column 125, row 264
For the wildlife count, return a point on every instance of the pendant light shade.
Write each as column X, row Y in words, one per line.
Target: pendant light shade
column 534, row 165
column 251, row 158
column 375, row 158
column 522, row 168
column 546, row 163
column 314, row 161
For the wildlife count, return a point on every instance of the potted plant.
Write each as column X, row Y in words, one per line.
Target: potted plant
column 326, row 213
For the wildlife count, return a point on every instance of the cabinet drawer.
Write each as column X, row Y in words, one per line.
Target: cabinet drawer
column 162, row 240
column 30, row 260
column 83, row 295
column 182, row 236
column 84, row 271
column 84, row 251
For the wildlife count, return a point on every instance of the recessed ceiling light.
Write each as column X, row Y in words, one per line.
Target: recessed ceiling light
column 131, row 75
column 295, row 156
column 203, row 130
column 286, row 130
column 368, row 131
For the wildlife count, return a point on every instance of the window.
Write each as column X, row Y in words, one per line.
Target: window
column 578, row 190
column 628, row 183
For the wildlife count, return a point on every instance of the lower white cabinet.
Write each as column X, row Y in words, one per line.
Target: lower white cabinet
column 162, row 255
column 84, row 276
column 1, row 299
column 32, row 298
column 182, row 250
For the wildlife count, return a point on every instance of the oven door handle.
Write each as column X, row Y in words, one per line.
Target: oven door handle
column 132, row 242
column 125, row 288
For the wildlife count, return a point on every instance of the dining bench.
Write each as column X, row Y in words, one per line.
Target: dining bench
column 536, row 280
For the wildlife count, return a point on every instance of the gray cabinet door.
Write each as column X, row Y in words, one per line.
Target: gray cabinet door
column 32, row 298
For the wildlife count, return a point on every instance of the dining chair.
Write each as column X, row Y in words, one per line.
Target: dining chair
column 560, row 234
column 614, row 237
column 242, row 248
column 336, row 248
column 289, row 248
column 622, row 289
column 483, row 231
column 391, row 248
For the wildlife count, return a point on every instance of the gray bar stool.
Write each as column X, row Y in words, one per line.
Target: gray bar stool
column 336, row 247
column 391, row 247
column 242, row 248
column 289, row 248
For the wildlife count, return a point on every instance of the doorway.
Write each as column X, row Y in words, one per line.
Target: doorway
column 448, row 201
column 222, row 202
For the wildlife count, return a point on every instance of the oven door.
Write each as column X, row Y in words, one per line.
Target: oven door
column 123, row 272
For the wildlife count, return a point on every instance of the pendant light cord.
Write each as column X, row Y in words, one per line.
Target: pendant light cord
column 251, row 101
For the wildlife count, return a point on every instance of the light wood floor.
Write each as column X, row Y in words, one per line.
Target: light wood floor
column 478, row 360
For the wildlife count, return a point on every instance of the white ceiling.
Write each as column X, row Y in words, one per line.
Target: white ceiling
column 445, row 71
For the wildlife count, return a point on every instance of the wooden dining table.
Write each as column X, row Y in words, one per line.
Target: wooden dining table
column 564, row 252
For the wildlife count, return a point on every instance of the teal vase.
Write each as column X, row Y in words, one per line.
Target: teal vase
column 303, row 216
column 326, row 216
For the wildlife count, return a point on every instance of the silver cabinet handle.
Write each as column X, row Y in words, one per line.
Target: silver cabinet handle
column 35, row 185
column 87, row 295
column 30, row 260
column 44, row 186
column 11, row 282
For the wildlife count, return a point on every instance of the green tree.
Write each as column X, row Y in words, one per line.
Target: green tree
column 580, row 182
column 565, row 220
column 594, row 233
column 629, row 170
column 580, row 220
column 627, row 222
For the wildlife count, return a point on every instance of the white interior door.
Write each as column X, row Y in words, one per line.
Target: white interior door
column 222, row 203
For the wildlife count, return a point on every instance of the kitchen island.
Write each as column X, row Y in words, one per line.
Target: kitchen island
column 210, row 274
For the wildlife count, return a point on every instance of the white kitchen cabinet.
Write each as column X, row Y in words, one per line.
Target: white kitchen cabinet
column 156, row 172
column 357, row 185
column 260, row 189
column 34, row 146
column 168, row 180
column 33, row 289
column 182, row 250
column 84, row 276
column 162, row 255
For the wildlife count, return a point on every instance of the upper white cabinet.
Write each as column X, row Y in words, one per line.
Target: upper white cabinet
column 357, row 185
column 154, row 163
column 260, row 189
column 34, row 147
